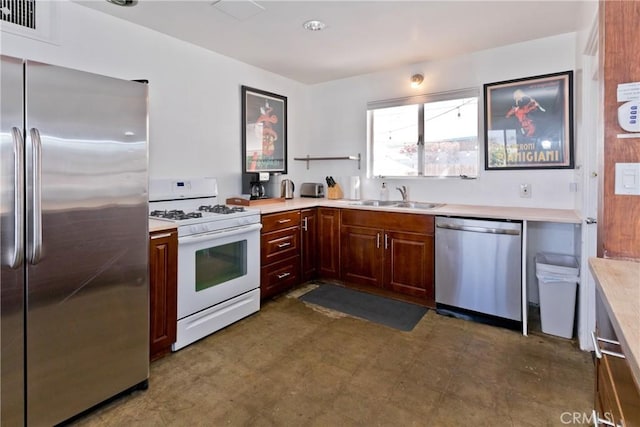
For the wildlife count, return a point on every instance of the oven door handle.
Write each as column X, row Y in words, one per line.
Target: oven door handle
column 220, row 233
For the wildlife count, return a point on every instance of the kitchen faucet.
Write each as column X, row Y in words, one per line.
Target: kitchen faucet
column 403, row 191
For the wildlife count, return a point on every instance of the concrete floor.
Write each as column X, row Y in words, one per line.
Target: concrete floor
column 296, row 365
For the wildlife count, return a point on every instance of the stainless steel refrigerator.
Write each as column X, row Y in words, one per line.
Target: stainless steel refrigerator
column 73, row 241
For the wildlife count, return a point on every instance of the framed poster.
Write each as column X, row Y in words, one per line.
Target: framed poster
column 264, row 131
column 529, row 123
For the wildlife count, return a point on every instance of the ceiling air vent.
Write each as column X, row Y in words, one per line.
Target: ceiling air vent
column 35, row 19
column 19, row 12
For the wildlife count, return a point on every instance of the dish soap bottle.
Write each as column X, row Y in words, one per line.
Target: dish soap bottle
column 384, row 192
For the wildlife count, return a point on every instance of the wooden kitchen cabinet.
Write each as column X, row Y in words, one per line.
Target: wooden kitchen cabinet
column 328, row 243
column 394, row 252
column 279, row 277
column 409, row 264
column 617, row 397
column 362, row 255
column 279, row 252
column 163, row 292
column 308, row 233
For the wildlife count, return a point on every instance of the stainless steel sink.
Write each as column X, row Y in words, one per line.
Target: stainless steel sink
column 418, row 205
column 397, row 204
column 378, row 202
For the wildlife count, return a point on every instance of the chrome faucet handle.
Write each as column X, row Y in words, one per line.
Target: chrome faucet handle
column 403, row 192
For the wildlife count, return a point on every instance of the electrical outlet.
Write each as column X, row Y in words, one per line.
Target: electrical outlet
column 525, row 190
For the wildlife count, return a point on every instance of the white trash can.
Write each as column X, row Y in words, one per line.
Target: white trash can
column 558, row 277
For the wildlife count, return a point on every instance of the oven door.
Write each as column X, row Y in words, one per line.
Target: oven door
column 217, row 266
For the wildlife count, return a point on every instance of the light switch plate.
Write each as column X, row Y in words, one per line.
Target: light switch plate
column 627, row 179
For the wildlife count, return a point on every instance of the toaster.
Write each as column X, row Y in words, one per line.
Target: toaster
column 312, row 189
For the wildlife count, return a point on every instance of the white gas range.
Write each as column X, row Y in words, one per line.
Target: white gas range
column 218, row 255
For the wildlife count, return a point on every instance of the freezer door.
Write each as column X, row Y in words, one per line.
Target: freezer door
column 87, row 240
column 11, row 249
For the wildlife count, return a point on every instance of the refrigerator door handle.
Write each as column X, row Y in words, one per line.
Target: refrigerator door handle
column 36, row 223
column 18, row 198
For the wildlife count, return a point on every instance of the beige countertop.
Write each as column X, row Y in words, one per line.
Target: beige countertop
column 619, row 285
column 498, row 212
column 158, row 225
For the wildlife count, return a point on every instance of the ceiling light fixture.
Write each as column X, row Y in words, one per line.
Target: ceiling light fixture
column 314, row 25
column 125, row 3
column 416, row 80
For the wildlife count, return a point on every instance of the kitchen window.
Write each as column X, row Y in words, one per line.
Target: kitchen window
column 434, row 135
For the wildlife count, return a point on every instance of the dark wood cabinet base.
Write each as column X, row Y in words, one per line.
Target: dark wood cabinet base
column 163, row 292
column 388, row 254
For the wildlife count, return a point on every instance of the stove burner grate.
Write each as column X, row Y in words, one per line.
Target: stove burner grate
column 175, row 214
column 221, row 209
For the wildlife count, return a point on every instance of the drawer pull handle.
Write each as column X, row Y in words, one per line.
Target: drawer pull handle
column 284, row 221
column 283, row 275
column 599, row 352
column 284, row 245
column 597, row 421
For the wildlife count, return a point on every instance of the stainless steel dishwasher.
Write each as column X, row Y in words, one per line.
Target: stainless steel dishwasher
column 478, row 266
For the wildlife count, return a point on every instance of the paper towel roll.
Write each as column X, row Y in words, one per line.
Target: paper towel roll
column 354, row 188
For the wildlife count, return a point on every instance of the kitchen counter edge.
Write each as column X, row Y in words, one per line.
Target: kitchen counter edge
column 156, row 225
column 619, row 285
column 489, row 212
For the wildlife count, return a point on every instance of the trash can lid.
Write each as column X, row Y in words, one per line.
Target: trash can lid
column 548, row 278
column 558, row 260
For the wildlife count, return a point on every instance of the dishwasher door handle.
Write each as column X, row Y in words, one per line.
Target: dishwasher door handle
column 476, row 229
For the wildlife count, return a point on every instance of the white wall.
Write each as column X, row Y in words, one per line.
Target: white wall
column 194, row 94
column 194, row 105
column 337, row 124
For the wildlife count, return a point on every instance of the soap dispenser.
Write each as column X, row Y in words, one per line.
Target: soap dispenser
column 384, row 192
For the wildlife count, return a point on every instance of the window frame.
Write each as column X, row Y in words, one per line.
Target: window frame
column 420, row 100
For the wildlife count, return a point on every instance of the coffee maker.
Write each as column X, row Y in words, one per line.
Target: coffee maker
column 255, row 185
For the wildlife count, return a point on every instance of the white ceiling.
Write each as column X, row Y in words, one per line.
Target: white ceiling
column 361, row 36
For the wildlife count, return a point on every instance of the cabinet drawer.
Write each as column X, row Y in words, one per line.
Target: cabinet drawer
column 617, row 394
column 278, row 245
column 279, row 276
column 607, row 401
column 280, row 220
column 625, row 390
column 414, row 223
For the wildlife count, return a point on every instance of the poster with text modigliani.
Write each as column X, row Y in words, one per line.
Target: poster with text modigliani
column 529, row 123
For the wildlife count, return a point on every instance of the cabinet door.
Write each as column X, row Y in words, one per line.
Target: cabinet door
column 308, row 245
column 362, row 255
column 409, row 264
column 328, row 248
column 163, row 281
